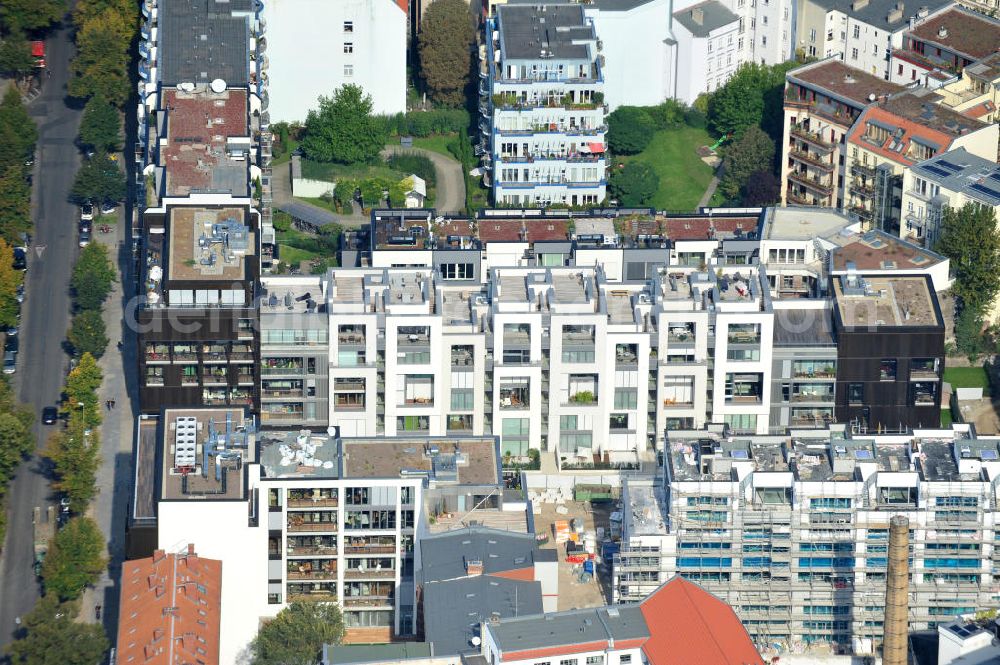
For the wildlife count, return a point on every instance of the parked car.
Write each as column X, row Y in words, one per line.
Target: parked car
column 9, row 362
column 11, row 330
column 84, row 236
column 11, row 344
column 20, row 292
column 87, row 211
column 108, row 208
column 50, row 415
column 20, row 258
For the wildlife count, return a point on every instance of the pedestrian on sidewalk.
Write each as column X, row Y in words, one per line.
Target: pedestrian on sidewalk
column 107, row 404
column 113, row 402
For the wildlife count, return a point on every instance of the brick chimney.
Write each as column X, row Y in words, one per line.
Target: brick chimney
column 473, row 567
column 698, row 15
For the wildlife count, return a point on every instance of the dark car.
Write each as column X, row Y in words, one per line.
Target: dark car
column 50, row 415
column 11, row 344
column 20, row 259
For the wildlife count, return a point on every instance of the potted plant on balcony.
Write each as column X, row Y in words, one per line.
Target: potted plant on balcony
column 582, row 397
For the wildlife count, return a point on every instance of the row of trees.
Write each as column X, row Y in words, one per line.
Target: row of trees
column 18, row 20
column 18, row 136
column 91, row 282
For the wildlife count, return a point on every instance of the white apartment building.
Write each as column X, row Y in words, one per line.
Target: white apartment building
column 359, row 42
column 304, row 514
column 707, row 53
column 862, row 33
column 949, row 180
column 543, row 107
column 791, row 530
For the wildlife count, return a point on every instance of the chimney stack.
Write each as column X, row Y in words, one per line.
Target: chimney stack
column 897, row 593
column 473, row 567
column 698, row 15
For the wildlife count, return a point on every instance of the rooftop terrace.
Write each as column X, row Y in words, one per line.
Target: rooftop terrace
column 207, row 140
column 209, row 244
column 876, row 250
column 203, row 453
column 872, row 301
column 834, row 78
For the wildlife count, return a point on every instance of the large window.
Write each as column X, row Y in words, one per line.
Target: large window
column 514, row 436
column 515, row 393
column 626, row 398
column 457, row 271
column 294, row 337
column 461, row 399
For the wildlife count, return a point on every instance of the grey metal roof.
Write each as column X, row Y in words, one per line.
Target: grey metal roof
column 354, row 654
column 803, row 327
column 444, row 555
column 713, row 15
column 527, row 30
column 960, row 171
column 876, row 12
column 203, row 40
column 553, row 630
column 618, row 5
column 454, row 610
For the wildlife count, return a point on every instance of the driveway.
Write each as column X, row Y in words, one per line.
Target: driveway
column 450, row 181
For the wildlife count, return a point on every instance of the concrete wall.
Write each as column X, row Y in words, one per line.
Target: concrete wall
column 313, row 189
column 298, row 76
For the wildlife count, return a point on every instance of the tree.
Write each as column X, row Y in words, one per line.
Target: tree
column 87, row 333
column 740, row 102
column 16, row 443
column 75, row 559
column 754, row 151
column 15, row 204
column 969, row 334
column 101, row 65
column 10, row 279
column 50, row 635
column 970, row 240
column 81, row 388
column 74, row 454
column 92, row 277
column 445, row 48
column 100, row 127
column 344, row 129
column 31, row 14
column 630, row 129
column 99, row 180
column 634, row 185
column 761, row 190
column 85, row 9
column 297, row 634
column 16, row 60
column 19, row 131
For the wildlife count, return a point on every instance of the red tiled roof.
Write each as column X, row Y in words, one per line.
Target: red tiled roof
column 689, row 625
column 499, row 230
column 911, row 130
column 703, row 228
column 170, row 609
column 198, row 125
column 979, row 110
column 962, row 31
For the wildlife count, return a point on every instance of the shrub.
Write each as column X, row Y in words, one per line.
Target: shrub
column 408, row 163
column 630, row 129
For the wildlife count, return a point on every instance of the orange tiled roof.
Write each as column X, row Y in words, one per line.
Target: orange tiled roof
column 163, row 598
column 689, row 625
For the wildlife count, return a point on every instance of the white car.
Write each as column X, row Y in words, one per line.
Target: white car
column 87, row 212
column 108, row 208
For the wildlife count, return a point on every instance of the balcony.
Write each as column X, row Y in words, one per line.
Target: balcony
column 215, row 378
column 812, row 138
column 812, row 160
column 795, row 199
column 312, row 575
column 860, row 169
column 370, row 549
column 308, row 502
column 281, row 366
column 313, row 596
column 295, row 526
column 863, row 190
column 368, row 601
column 358, row 574
column 311, row 550
column 813, row 183
column 351, row 339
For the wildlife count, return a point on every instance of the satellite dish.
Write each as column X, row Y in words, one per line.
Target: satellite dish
column 218, row 86
column 186, row 86
column 871, row 97
column 476, row 641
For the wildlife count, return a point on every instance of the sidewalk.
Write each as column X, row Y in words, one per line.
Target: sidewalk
column 109, row 508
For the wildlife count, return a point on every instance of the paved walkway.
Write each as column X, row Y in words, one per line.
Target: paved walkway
column 281, row 193
column 712, row 186
column 450, row 188
column 110, row 507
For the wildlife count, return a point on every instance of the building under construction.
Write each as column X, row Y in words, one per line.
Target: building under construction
column 793, row 530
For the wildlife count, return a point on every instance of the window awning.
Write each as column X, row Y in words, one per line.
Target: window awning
column 596, row 147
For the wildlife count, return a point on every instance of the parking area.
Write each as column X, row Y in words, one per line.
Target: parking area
column 574, row 593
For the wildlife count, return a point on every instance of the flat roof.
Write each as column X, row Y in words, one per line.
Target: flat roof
column 446, row 556
column 299, row 454
column 467, row 460
column 358, row 654
column 203, row 40
column 646, row 510
column 200, row 128
column 959, row 170
column 803, row 327
column 877, row 250
column 960, row 30
column 209, row 244
column 922, row 107
column 709, row 227
column 891, row 301
column 701, row 19
column 834, row 77
column 802, row 223
column 528, row 31
column 574, row 288
column 573, row 627
column 215, row 466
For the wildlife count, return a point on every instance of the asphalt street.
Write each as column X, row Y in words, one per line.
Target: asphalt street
column 42, row 362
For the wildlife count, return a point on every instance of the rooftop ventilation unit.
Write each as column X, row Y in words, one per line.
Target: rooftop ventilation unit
column 185, row 443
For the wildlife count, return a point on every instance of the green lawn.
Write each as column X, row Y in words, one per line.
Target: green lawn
column 296, row 246
column 683, row 176
column 946, row 418
column 438, row 143
column 967, row 377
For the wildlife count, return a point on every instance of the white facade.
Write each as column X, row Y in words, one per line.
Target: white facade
column 705, row 62
column 361, row 42
column 629, row 34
